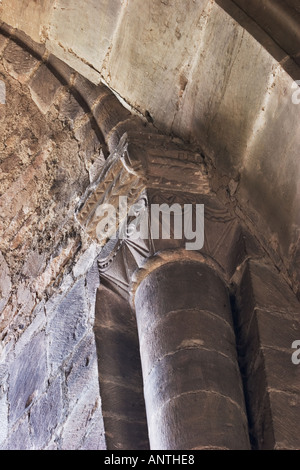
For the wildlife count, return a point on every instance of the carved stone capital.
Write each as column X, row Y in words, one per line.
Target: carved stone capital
column 148, row 170
column 141, row 163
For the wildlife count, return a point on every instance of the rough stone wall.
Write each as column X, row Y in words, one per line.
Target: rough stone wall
column 49, row 378
column 49, row 392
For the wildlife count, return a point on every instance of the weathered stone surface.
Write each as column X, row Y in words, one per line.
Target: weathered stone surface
column 44, row 87
column 120, row 376
column 87, row 91
column 67, row 326
column 3, row 419
column 20, row 437
column 70, row 109
column 130, row 432
column 182, row 373
column 34, row 264
column 60, row 69
column 192, row 285
column 92, row 284
column 91, row 148
column 38, row 181
column 286, row 416
column 46, row 414
column 130, row 407
column 86, row 260
column 27, row 219
column 268, row 324
column 282, row 374
column 95, row 439
column 19, row 62
column 263, row 287
column 189, row 371
column 279, row 20
column 109, row 112
column 28, row 374
column 36, row 49
column 82, row 371
column 214, row 335
column 130, row 125
column 191, row 431
column 75, row 428
column 5, row 281
column 3, row 42
column 269, row 329
column 30, row 13
column 37, row 324
column 121, row 357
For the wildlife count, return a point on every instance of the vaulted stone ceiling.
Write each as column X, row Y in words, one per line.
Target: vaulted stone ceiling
column 215, row 73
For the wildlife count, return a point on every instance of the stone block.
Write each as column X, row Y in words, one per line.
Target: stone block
column 60, row 69
column 180, row 286
column 3, row 42
column 76, row 427
column 109, row 112
column 25, row 41
column 38, row 322
column 268, row 329
column 131, row 434
column 261, row 426
column 113, row 313
column 286, row 419
column 281, row 373
column 28, row 374
column 5, row 282
column 82, row 370
column 123, row 401
column 262, row 287
column 19, row 62
column 185, row 329
column 87, row 91
column 46, row 414
column 95, row 438
column 3, row 419
column 218, row 423
column 190, row 371
column 70, row 109
column 20, row 438
column 67, row 326
column 92, row 284
column 121, row 358
column 86, row 260
column 44, row 87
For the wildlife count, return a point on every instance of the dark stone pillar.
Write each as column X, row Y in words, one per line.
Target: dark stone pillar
column 268, row 323
column 120, row 375
column 192, row 384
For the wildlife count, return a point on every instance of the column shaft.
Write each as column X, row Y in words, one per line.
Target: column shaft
column 192, row 384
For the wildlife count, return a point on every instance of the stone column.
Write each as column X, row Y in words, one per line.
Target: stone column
column 192, row 385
